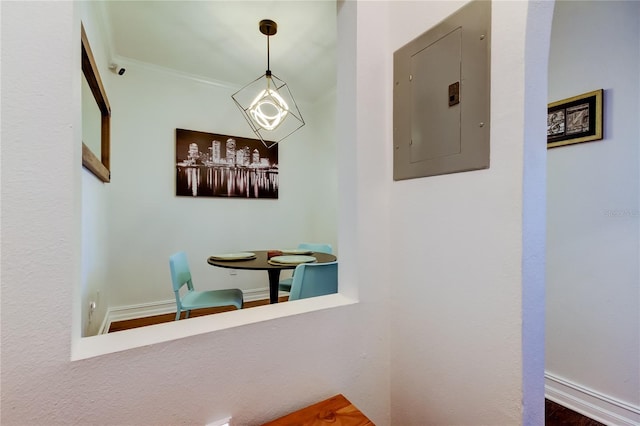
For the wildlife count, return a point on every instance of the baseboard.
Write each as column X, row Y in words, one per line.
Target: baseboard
column 104, row 327
column 141, row 310
column 590, row 403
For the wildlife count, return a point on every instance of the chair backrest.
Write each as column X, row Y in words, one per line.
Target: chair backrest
column 180, row 274
column 314, row 279
column 317, row 247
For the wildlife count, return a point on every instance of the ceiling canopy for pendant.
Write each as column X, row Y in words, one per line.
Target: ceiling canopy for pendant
column 267, row 103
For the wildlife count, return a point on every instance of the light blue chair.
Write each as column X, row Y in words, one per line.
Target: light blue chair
column 314, row 279
column 285, row 283
column 181, row 275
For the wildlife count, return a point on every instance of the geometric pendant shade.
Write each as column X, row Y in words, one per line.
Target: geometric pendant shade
column 267, row 103
column 268, row 106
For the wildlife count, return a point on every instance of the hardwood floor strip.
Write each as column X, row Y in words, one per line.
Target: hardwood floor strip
column 159, row 319
column 557, row 415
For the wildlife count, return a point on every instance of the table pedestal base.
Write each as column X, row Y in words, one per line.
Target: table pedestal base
column 274, row 282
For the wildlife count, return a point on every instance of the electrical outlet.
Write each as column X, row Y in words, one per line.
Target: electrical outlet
column 92, row 307
column 233, row 272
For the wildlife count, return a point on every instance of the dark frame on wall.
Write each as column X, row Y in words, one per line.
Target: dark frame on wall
column 218, row 165
column 98, row 165
column 575, row 120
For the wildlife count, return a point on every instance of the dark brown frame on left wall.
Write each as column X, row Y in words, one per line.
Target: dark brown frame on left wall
column 98, row 165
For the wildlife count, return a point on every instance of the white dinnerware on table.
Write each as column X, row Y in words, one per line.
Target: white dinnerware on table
column 245, row 255
column 291, row 260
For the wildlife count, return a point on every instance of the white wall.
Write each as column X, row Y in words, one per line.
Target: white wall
column 319, row 173
column 460, row 325
column 259, row 371
column 593, row 286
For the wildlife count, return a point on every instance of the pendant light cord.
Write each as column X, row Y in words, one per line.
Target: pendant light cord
column 268, row 66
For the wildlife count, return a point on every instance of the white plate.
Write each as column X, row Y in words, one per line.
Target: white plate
column 297, row 251
column 292, row 260
column 244, row 255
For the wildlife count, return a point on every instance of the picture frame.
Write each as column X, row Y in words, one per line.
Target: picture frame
column 226, row 166
column 97, row 162
column 575, row 120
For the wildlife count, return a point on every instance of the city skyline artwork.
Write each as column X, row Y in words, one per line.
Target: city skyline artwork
column 217, row 165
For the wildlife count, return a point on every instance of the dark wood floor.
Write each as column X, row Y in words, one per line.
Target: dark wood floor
column 555, row 414
column 158, row 319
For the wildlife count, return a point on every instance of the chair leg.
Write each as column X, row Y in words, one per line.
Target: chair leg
column 187, row 315
column 177, row 315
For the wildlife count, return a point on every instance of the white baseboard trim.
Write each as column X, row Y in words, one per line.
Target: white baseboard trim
column 141, row 310
column 590, row 403
column 104, row 327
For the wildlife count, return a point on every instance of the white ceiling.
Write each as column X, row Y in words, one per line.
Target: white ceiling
column 220, row 40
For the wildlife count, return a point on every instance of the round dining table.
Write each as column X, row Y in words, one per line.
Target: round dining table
column 261, row 263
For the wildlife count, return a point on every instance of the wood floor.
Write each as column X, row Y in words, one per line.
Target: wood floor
column 555, row 414
column 158, row 319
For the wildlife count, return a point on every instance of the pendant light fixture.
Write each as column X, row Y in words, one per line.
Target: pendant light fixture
column 267, row 103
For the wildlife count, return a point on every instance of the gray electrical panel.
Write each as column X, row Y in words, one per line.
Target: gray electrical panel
column 441, row 98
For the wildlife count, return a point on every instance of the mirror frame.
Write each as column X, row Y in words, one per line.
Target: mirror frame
column 98, row 165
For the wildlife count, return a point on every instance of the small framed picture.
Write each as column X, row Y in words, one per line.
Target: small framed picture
column 575, row 120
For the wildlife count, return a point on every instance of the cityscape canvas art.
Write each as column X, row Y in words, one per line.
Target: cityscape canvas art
column 215, row 165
